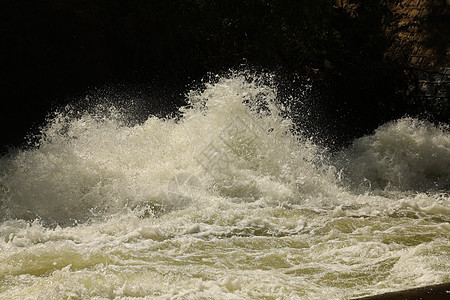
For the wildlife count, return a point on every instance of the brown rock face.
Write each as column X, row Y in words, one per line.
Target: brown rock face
column 420, row 30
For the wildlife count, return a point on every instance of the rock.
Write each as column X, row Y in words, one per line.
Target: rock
column 431, row 292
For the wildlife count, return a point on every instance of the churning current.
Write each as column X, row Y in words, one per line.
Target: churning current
column 224, row 202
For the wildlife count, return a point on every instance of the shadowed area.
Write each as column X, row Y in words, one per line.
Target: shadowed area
column 56, row 51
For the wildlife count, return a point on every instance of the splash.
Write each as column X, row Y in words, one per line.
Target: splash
column 226, row 201
column 231, row 135
column 406, row 154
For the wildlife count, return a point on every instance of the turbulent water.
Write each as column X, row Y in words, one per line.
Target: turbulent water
column 223, row 202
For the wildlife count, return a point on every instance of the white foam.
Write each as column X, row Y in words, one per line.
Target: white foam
column 406, row 154
column 100, row 209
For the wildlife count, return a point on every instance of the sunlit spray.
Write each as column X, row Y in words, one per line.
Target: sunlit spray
column 227, row 201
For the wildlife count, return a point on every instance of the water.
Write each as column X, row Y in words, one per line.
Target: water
column 225, row 202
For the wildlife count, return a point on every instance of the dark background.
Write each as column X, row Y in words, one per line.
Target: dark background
column 54, row 52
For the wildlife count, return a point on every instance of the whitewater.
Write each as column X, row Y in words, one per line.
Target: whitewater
column 226, row 200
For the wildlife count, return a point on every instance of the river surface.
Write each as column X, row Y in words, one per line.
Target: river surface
column 223, row 202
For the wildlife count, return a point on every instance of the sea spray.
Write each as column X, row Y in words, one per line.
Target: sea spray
column 225, row 202
column 93, row 164
column 406, row 154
